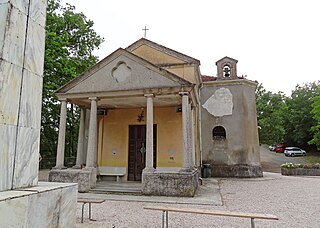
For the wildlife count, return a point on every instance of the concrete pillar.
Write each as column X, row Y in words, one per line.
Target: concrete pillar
column 92, row 140
column 62, row 135
column 149, row 139
column 185, row 129
column 80, row 148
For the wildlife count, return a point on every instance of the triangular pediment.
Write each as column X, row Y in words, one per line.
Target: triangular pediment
column 122, row 71
column 158, row 54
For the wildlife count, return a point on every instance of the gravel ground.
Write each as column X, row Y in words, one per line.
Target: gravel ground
column 295, row 200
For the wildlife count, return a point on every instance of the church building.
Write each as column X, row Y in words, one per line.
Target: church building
column 147, row 114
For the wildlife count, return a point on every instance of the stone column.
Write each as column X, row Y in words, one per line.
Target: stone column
column 62, row 135
column 149, row 139
column 185, row 144
column 92, row 140
column 80, row 148
column 192, row 143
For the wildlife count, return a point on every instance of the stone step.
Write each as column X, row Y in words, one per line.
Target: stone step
column 113, row 190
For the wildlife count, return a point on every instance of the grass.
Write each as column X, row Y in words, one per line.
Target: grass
column 313, row 158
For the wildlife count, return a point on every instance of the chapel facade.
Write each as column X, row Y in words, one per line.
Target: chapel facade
column 147, row 115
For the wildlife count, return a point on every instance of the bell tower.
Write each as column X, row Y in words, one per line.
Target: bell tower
column 227, row 68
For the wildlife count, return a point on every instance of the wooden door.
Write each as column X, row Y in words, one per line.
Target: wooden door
column 137, row 151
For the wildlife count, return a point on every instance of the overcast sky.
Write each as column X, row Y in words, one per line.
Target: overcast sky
column 276, row 42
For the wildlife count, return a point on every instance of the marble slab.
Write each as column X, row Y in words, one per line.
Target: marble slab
column 37, row 11
column 34, row 57
column 10, row 85
column 53, row 207
column 7, row 146
column 31, row 100
column 27, row 158
column 20, row 5
column 15, row 22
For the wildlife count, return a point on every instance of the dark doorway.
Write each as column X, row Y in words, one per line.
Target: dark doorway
column 137, row 151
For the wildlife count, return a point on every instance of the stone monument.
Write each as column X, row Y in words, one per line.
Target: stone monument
column 23, row 201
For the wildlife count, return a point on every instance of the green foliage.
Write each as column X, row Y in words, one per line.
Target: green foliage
column 316, row 116
column 271, row 109
column 299, row 119
column 70, row 41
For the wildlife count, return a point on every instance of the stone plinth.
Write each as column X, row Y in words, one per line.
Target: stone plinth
column 170, row 184
column 86, row 178
column 46, row 205
column 236, row 171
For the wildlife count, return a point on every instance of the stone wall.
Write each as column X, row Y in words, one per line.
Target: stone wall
column 231, row 105
column 170, row 184
column 86, row 179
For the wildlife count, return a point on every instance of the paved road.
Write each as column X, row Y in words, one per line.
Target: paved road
column 271, row 160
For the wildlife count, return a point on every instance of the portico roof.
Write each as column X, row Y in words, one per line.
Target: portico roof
column 121, row 79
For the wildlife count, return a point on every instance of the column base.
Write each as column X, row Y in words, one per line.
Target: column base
column 77, row 166
column 86, row 178
column 170, row 184
column 59, row 167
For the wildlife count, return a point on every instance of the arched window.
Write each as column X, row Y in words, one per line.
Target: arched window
column 226, row 71
column 218, row 133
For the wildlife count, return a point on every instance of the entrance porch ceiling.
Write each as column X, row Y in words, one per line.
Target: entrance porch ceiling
column 130, row 102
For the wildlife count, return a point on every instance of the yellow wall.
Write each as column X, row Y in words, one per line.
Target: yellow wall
column 154, row 56
column 157, row 57
column 114, row 130
column 185, row 72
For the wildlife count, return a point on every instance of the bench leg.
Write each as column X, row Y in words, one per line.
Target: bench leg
column 165, row 219
column 252, row 223
column 82, row 212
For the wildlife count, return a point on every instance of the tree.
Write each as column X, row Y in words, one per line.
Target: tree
column 271, row 109
column 70, row 41
column 316, row 116
column 299, row 120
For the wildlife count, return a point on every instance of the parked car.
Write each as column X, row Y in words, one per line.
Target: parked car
column 280, row 148
column 272, row 147
column 293, row 151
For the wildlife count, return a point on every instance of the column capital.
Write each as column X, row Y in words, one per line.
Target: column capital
column 63, row 99
column 149, row 95
column 93, row 98
column 183, row 93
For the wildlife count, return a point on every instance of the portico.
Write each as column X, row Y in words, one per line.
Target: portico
column 126, row 98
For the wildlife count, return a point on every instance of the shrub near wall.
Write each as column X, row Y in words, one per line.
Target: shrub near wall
column 290, row 169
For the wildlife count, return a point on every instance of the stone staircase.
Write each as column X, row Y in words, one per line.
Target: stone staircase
column 112, row 187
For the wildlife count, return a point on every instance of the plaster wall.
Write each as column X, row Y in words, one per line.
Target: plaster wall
column 241, row 145
column 155, row 56
column 160, row 58
column 185, row 72
column 113, row 144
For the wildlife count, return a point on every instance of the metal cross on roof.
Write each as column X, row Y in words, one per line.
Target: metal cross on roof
column 145, row 31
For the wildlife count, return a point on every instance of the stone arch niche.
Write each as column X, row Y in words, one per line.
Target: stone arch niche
column 219, row 133
column 227, row 68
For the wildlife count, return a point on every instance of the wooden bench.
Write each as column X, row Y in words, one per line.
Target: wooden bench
column 252, row 216
column 89, row 201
